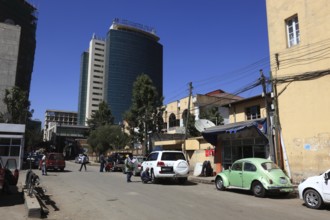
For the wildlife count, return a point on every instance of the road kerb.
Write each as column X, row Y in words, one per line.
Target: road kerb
column 32, row 206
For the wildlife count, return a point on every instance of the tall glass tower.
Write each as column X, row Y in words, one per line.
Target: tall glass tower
column 83, row 89
column 131, row 49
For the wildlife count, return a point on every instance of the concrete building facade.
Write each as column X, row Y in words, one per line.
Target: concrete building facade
column 197, row 148
column 175, row 112
column 9, row 38
column 91, row 90
column 59, row 118
column 18, row 22
column 299, row 39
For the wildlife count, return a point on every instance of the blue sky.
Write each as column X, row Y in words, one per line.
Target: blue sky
column 215, row 44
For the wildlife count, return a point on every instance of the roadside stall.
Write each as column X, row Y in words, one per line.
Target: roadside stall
column 237, row 140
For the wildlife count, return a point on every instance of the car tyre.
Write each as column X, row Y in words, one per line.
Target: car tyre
column 219, row 183
column 258, row 189
column 153, row 178
column 313, row 199
column 182, row 180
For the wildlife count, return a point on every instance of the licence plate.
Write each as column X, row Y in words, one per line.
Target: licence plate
column 167, row 169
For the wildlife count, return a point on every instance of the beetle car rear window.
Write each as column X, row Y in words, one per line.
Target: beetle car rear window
column 269, row 166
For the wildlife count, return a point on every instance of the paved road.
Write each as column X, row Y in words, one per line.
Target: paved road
column 94, row 195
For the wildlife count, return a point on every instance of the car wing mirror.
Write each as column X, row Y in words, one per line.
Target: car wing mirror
column 326, row 175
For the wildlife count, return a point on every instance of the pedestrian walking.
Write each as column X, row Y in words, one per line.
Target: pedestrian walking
column 83, row 162
column 43, row 165
column 129, row 166
column 102, row 162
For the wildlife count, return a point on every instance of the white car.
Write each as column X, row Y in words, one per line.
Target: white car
column 315, row 190
column 167, row 164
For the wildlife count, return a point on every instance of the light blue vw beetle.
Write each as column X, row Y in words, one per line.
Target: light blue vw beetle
column 256, row 174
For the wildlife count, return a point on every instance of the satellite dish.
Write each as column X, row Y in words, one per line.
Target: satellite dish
column 201, row 124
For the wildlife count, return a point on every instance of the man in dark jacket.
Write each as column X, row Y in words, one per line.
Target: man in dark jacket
column 145, row 176
column 102, row 162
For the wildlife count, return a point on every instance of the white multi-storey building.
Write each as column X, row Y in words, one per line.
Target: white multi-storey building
column 92, row 79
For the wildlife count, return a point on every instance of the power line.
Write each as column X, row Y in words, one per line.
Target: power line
column 236, row 75
column 301, row 77
column 301, row 55
column 225, row 97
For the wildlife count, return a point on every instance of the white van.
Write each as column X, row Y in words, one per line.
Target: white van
column 315, row 190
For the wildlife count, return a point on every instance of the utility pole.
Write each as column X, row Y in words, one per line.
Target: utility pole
column 277, row 128
column 269, row 127
column 187, row 119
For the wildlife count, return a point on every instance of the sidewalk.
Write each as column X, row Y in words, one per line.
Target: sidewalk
column 202, row 179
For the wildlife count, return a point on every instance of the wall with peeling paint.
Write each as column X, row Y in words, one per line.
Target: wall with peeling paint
column 304, row 106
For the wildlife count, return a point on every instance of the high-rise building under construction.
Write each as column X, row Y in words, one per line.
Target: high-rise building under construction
column 18, row 23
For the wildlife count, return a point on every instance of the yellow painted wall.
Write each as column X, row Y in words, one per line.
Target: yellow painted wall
column 237, row 110
column 198, row 156
column 196, row 152
column 171, row 108
column 304, row 106
column 197, row 103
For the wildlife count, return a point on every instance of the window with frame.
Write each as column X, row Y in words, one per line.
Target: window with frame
column 292, row 29
column 237, row 166
column 172, row 121
column 249, row 167
column 152, row 157
column 252, row 112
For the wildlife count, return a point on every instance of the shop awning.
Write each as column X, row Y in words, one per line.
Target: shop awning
column 211, row 134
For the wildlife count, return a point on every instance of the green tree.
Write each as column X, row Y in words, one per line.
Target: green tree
column 107, row 137
column 191, row 129
column 145, row 113
column 103, row 116
column 18, row 106
column 212, row 114
column 33, row 136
